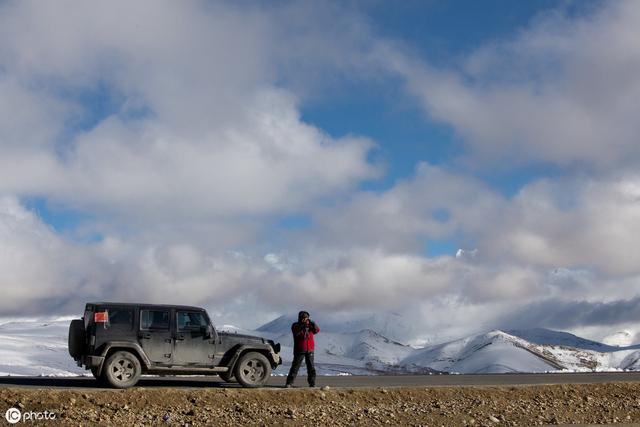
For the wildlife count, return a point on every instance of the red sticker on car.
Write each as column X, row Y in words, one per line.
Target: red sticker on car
column 101, row 317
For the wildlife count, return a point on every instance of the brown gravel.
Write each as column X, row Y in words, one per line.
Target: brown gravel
column 439, row 406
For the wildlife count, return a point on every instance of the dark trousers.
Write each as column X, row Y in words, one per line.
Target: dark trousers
column 295, row 365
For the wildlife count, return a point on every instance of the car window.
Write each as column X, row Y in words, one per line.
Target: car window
column 122, row 317
column 191, row 320
column 154, row 319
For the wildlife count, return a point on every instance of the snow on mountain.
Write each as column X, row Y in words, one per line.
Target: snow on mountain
column 556, row 338
column 39, row 347
column 494, row 352
column 536, row 350
column 388, row 324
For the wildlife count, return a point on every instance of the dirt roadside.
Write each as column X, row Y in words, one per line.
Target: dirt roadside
column 438, row 406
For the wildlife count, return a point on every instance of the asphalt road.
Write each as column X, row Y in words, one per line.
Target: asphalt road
column 342, row 381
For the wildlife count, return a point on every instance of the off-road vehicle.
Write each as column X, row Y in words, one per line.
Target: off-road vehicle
column 119, row 342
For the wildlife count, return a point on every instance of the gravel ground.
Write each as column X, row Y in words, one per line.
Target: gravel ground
column 437, row 406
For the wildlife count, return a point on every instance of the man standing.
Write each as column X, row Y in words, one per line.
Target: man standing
column 303, row 331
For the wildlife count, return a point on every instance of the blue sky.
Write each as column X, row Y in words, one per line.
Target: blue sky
column 443, row 32
column 437, row 157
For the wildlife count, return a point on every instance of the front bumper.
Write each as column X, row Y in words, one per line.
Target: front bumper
column 277, row 360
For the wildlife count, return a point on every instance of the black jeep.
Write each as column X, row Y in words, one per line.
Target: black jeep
column 119, row 342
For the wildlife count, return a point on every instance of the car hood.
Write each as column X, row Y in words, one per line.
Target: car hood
column 232, row 338
column 241, row 336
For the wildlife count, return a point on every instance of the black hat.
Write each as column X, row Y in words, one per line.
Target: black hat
column 303, row 314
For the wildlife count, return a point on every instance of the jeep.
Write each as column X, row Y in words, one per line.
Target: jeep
column 119, row 342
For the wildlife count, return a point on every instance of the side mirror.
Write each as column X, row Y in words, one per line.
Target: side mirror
column 207, row 331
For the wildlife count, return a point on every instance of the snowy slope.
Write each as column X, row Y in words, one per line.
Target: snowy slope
column 494, row 352
column 556, row 338
column 36, row 347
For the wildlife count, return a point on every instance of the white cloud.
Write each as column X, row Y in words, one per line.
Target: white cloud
column 572, row 223
column 435, row 203
column 38, row 271
column 198, row 128
column 564, row 92
column 270, row 162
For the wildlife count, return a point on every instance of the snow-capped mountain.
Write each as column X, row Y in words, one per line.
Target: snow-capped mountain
column 535, row 350
column 39, row 347
column 556, row 338
column 486, row 353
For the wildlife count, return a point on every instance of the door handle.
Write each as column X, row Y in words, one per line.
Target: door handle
column 180, row 337
column 145, row 335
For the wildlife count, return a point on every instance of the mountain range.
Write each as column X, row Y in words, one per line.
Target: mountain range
column 39, row 347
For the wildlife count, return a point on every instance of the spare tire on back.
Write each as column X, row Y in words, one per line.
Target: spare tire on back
column 76, row 338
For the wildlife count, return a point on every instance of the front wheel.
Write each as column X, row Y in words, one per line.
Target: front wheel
column 253, row 369
column 122, row 370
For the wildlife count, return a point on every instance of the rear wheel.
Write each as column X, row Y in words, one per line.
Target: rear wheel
column 253, row 369
column 122, row 370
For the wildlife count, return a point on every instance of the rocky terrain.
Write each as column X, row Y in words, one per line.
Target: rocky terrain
column 438, row 406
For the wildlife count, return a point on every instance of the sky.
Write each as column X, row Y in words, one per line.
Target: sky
column 467, row 165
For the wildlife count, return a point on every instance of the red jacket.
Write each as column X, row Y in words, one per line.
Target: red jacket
column 303, row 336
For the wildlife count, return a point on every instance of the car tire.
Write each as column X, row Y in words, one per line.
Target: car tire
column 228, row 376
column 252, row 370
column 76, row 338
column 122, row 370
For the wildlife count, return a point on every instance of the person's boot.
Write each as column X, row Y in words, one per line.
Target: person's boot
column 288, row 385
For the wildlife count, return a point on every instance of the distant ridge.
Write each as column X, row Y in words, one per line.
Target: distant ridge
column 363, row 351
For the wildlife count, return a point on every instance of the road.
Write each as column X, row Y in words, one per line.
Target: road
column 342, row 381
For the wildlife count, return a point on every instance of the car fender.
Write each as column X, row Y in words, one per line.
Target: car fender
column 137, row 349
column 261, row 348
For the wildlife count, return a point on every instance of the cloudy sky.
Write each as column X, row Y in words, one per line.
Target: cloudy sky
column 468, row 165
